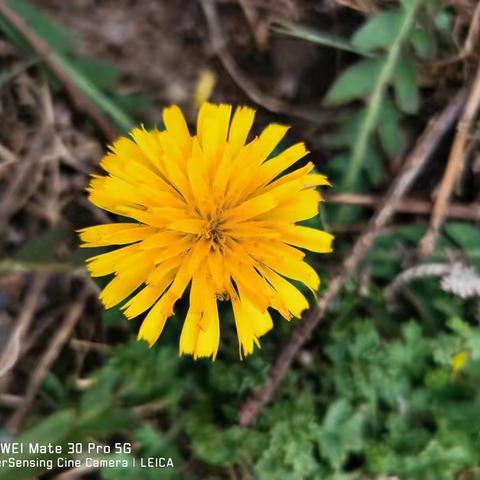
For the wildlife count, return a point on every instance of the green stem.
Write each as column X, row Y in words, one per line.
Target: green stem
column 8, row 265
column 316, row 36
column 119, row 117
column 373, row 109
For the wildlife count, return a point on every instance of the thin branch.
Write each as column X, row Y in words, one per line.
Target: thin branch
column 11, row 351
column 27, row 174
column 425, row 146
column 8, row 265
column 10, row 401
column 413, row 273
column 468, row 48
column 375, row 102
column 319, row 37
column 408, row 205
column 6, row 158
column 58, row 66
column 473, row 32
column 150, row 409
column 251, row 90
column 86, row 345
column 48, row 358
column 454, row 167
column 458, row 278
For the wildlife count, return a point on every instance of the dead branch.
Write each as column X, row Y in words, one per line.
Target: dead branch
column 12, row 349
column 28, row 173
column 417, row 159
column 454, row 167
column 413, row 273
column 408, row 205
column 10, row 401
column 87, row 345
column 457, row 278
column 48, row 358
column 7, row 158
column 251, row 90
column 78, row 98
column 468, row 47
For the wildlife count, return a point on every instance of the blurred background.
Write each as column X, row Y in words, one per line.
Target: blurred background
column 387, row 387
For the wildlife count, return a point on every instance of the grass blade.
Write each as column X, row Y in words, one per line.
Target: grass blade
column 316, row 36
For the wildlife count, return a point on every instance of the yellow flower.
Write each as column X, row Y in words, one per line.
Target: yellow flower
column 211, row 211
column 459, row 361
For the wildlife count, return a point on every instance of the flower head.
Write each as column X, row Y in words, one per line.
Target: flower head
column 214, row 212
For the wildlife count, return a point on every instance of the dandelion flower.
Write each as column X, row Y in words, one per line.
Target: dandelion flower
column 213, row 212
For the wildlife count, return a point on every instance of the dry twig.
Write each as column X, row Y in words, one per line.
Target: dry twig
column 87, row 345
column 426, row 144
column 454, row 167
column 413, row 273
column 10, row 401
column 28, row 173
column 79, row 99
column 6, row 158
column 48, row 358
column 364, row 6
column 471, row 41
column 408, row 205
column 252, row 20
column 457, row 278
column 11, row 352
column 251, row 90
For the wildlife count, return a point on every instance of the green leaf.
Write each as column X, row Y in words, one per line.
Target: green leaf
column 423, row 41
column 389, row 130
column 337, row 166
column 379, row 32
column 120, row 118
column 62, row 47
column 58, row 38
column 316, row 36
column 54, row 387
column 444, row 22
column 345, row 134
column 405, row 86
column 341, row 432
column 113, row 317
column 467, row 237
column 101, row 74
column 54, row 429
column 355, row 82
column 380, row 85
column 41, row 248
column 442, row 462
column 286, row 459
column 373, row 167
column 133, row 103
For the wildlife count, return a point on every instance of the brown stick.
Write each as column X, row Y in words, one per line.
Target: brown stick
column 454, row 167
column 79, row 99
column 470, row 42
column 408, row 205
column 251, row 90
column 11, row 351
column 425, row 146
column 46, row 361
column 27, row 175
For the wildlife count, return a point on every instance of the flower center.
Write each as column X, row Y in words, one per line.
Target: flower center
column 214, row 232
